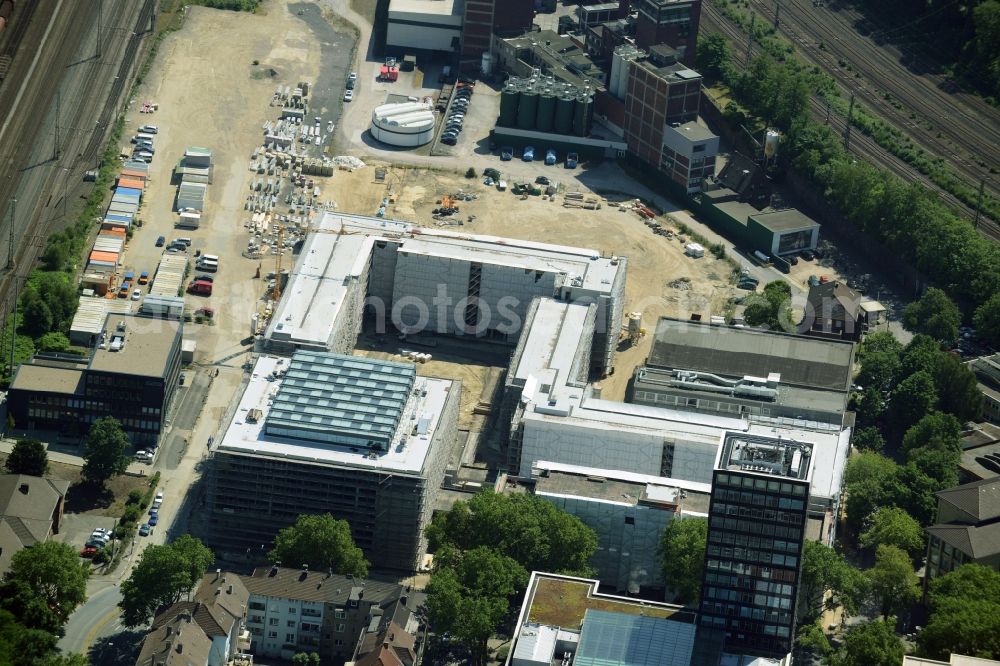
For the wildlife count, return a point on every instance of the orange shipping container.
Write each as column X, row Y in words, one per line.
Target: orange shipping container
column 131, row 173
column 131, row 182
column 97, row 255
column 113, row 231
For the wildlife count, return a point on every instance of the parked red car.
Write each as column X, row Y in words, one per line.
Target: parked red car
column 89, row 551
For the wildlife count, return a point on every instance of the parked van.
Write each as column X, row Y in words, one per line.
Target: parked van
column 207, row 257
column 200, row 287
column 207, row 265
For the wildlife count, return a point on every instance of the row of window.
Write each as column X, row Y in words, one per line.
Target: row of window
column 747, row 499
column 753, row 541
column 731, row 617
column 749, row 584
column 757, row 483
column 755, row 570
column 756, row 527
column 758, row 556
column 753, row 606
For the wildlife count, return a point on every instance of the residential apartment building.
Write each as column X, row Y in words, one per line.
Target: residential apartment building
column 834, row 310
column 967, row 529
column 31, row 510
column 756, row 528
column 363, row 439
column 670, row 22
column 297, row 610
column 131, row 373
column 207, row 630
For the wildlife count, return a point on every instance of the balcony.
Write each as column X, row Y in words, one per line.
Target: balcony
column 243, row 643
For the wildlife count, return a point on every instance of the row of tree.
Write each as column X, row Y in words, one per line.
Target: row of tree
column 484, row 550
column 905, row 217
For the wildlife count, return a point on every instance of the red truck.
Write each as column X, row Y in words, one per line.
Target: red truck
column 200, row 288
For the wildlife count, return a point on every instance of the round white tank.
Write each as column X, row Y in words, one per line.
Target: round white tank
column 406, row 124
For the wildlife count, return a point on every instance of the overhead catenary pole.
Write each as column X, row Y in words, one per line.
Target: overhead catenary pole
column 100, row 4
column 847, row 126
column 777, row 13
column 10, row 248
column 55, row 152
column 753, row 21
column 979, row 202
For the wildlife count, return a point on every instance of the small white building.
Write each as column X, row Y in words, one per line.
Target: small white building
column 406, row 124
column 431, row 25
column 688, row 155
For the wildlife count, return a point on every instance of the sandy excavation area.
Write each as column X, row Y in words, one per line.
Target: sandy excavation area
column 655, row 263
column 211, row 94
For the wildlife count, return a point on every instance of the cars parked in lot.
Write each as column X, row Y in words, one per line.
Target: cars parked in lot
column 807, row 255
column 571, row 160
column 506, row 153
column 529, row 153
column 153, row 511
column 144, row 456
column 449, row 139
column 136, row 294
column 153, row 520
column 88, row 551
column 550, row 157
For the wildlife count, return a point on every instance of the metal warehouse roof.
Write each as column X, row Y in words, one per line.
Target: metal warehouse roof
column 729, row 352
column 324, row 395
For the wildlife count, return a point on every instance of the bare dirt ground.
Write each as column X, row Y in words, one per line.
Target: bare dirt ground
column 654, row 261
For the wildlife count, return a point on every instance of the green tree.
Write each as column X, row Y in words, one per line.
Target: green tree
column 55, row 573
column 869, row 644
column 771, row 308
column 913, row 491
column 987, row 317
column 20, row 645
column 879, row 355
column 713, row 57
column 957, row 388
column 31, row 610
column 682, row 556
column 964, row 614
column 58, row 292
column 892, row 581
column 36, row 317
column 937, row 463
column 28, row 457
column 527, row 528
column 470, row 596
column 300, row 658
column 320, row 542
column 813, row 641
column 921, row 353
column 868, row 466
column 879, row 342
column 104, row 450
column 161, row 577
column 824, row 569
column 54, row 342
column 937, row 428
column 868, row 439
column 891, row 526
column 914, row 397
column 870, row 407
column 934, row 314
column 71, row 659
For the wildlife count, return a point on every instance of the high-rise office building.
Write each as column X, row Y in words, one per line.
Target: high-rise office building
column 756, row 528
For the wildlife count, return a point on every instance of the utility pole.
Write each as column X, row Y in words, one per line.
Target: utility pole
column 55, row 153
column 979, row 203
column 847, row 127
column 100, row 5
column 10, row 248
column 753, row 21
column 777, row 13
column 828, row 113
column 13, row 327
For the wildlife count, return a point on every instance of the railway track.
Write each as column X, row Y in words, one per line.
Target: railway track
column 83, row 138
column 966, row 136
column 861, row 144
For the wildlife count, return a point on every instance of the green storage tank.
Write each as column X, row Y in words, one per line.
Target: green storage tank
column 563, row 121
column 546, row 111
column 527, row 109
column 582, row 114
column 509, row 100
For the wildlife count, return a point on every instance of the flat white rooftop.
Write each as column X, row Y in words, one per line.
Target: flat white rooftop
column 573, row 407
column 435, row 7
column 334, row 259
column 246, row 435
column 553, row 342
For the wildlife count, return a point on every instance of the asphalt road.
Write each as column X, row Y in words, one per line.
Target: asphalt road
column 96, row 619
